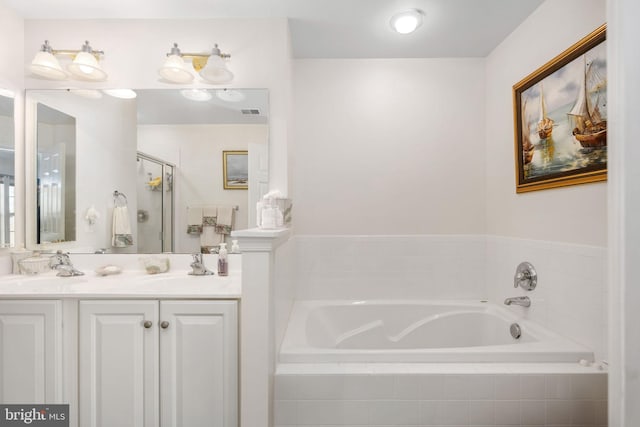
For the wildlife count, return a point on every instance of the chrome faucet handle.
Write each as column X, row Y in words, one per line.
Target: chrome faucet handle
column 525, row 277
column 197, row 257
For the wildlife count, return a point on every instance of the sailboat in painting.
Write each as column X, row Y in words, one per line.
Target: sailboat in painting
column 590, row 129
column 527, row 146
column 545, row 124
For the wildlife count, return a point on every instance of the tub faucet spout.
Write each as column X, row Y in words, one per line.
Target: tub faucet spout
column 523, row 301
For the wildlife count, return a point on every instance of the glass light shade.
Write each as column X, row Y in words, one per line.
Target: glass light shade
column 196, row 94
column 121, row 93
column 46, row 65
column 407, row 22
column 174, row 70
column 85, row 67
column 216, row 71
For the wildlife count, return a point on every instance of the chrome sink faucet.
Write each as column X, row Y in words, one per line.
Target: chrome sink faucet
column 61, row 262
column 197, row 266
column 523, row 301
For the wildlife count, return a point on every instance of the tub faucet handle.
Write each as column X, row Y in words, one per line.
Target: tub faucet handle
column 525, row 277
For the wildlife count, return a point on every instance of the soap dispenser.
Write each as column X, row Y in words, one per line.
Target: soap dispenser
column 223, row 264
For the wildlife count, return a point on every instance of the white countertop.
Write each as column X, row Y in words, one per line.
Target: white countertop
column 128, row 284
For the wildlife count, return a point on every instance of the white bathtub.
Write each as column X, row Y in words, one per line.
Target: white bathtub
column 418, row 331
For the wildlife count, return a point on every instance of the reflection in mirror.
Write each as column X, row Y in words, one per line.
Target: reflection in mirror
column 56, row 169
column 7, row 173
column 163, row 151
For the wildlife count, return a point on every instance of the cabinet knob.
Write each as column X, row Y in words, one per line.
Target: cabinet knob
column 147, row 324
column 164, row 324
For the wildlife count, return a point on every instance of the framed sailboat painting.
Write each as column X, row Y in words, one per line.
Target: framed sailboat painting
column 560, row 118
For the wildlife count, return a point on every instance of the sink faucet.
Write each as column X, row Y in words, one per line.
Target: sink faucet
column 62, row 263
column 523, row 301
column 198, row 268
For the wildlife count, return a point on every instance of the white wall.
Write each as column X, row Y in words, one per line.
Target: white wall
column 135, row 49
column 576, row 214
column 196, row 150
column 389, row 146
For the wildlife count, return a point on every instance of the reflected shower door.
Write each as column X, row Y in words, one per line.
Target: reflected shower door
column 154, row 189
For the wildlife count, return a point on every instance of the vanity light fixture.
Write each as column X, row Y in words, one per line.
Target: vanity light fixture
column 85, row 64
column 408, row 21
column 211, row 66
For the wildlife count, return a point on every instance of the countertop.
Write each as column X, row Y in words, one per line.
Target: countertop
column 128, row 284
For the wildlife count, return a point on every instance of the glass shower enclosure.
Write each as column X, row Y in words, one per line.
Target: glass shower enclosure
column 154, row 188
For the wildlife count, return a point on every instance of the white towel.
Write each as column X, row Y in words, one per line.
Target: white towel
column 225, row 220
column 209, row 240
column 194, row 220
column 121, row 232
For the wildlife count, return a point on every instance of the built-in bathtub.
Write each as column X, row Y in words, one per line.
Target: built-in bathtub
column 418, row 331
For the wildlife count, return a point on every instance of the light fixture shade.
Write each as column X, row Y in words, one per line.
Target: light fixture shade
column 46, row 65
column 216, row 71
column 85, row 67
column 175, row 70
column 408, row 21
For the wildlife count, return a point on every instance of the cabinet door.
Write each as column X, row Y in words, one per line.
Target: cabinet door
column 30, row 351
column 199, row 363
column 118, row 358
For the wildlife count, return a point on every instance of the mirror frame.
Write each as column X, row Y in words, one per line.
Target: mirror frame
column 19, row 240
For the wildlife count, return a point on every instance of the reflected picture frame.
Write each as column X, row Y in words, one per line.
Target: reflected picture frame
column 235, row 169
column 560, row 123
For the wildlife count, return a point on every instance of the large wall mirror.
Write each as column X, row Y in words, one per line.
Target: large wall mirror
column 7, row 172
column 143, row 171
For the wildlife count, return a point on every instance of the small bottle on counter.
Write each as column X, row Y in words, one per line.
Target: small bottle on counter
column 223, row 264
column 235, row 247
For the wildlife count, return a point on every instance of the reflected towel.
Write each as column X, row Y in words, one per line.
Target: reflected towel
column 224, row 222
column 121, row 232
column 209, row 240
column 194, row 220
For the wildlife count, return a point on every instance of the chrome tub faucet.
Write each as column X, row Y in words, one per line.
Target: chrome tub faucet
column 523, row 301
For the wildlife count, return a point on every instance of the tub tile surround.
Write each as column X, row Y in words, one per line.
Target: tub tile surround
column 396, row 398
column 378, row 267
column 571, row 296
column 570, row 300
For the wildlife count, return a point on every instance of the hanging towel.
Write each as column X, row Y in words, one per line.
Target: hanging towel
column 122, row 236
column 224, row 221
column 194, row 220
column 209, row 239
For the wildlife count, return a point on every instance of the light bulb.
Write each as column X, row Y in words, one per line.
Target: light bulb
column 407, row 22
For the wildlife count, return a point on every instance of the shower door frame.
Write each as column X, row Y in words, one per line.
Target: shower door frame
column 165, row 165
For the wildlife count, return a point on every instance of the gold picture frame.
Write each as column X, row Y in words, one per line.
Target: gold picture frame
column 560, row 120
column 235, row 170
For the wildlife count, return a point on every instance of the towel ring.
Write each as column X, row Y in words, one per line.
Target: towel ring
column 119, row 197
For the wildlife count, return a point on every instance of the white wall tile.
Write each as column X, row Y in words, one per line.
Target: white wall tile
column 452, row 412
column 532, row 387
column 395, row 412
column 507, row 412
column 285, row 412
column 481, row 412
column 532, row 412
column 507, row 387
column 558, row 412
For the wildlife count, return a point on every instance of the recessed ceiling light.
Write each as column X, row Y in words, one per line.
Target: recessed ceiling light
column 121, row 93
column 86, row 93
column 408, row 21
column 230, row 95
column 196, row 94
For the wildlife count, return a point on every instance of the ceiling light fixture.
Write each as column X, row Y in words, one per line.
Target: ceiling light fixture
column 200, row 95
column 211, row 66
column 85, row 64
column 408, row 21
column 121, row 93
column 230, row 95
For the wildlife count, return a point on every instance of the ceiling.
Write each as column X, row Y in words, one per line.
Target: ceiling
column 327, row 28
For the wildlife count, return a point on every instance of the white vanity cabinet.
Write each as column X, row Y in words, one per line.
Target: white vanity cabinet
column 149, row 363
column 30, row 351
